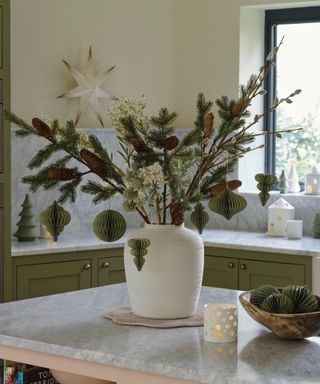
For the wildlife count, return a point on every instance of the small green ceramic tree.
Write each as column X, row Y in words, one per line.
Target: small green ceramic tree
column 26, row 223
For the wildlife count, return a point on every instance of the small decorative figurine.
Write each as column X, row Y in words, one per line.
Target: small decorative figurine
column 109, row 225
column 313, row 181
column 283, row 182
column 55, row 218
column 26, row 223
column 278, row 214
column 316, row 226
column 293, row 180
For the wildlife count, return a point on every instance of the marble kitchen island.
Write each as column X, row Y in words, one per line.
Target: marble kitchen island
column 68, row 332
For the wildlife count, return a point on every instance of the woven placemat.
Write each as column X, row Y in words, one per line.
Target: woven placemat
column 124, row 316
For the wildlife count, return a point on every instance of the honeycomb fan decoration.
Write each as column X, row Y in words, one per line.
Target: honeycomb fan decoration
column 55, row 218
column 109, row 225
column 278, row 303
column 303, row 300
column 139, row 250
column 265, row 183
column 199, row 217
column 260, row 294
column 227, row 203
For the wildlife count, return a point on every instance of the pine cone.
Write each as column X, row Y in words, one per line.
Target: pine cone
column 62, row 174
column 140, row 146
column 94, row 162
column 177, row 213
column 232, row 184
column 208, row 125
column 171, row 142
column 240, row 106
column 42, row 128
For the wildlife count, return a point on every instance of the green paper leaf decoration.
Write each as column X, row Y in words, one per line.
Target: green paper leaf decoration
column 303, row 300
column 199, row 217
column 109, row 225
column 278, row 303
column 139, row 250
column 227, row 203
column 261, row 293
column 55, row 218
column 265, row 183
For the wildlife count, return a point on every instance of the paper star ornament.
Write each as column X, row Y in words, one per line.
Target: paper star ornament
column 88, row 88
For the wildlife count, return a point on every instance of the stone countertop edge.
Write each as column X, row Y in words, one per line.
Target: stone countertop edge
column 241, row 240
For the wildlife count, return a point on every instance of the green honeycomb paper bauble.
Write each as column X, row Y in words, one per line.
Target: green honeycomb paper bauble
column 227, row 203
column 55, row 218
column 303, row 300
column 261, row 293
column 278, row 303
column 139, row 250
column 199, row 217
column 109, row 225
column 265, row 183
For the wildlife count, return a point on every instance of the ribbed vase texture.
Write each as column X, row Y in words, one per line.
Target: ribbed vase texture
column 168, row 285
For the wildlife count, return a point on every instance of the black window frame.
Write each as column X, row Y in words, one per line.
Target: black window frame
column 273, row 18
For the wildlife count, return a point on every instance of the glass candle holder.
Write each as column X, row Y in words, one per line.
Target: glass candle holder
column 220, row 323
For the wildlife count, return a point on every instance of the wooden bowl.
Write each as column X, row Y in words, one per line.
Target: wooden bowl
column 288, row 326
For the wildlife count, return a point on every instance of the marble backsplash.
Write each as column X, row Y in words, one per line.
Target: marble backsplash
column 83, row 212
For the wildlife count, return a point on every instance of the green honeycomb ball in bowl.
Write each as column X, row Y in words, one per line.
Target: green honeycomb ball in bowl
column 260, row 294
column 277, row 303
column 303, row 300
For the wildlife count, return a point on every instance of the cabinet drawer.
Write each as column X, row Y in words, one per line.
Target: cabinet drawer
column 221, row 272
column 52, row 278
column 110, row 270
column 252, row 274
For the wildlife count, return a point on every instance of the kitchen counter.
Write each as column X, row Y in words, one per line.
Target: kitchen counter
column 254, row 241
column 69, row 331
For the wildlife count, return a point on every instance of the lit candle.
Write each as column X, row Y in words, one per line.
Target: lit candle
column 220, row 323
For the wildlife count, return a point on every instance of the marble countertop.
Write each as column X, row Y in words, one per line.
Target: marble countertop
column 56, row 324
column 250, row 241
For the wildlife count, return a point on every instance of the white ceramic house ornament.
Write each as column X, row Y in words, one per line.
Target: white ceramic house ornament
column 293, row 180
column 278, row 214
column 313, row 181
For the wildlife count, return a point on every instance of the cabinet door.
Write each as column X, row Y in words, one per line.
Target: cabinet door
column 51, row 278
column 110, row 270
column 221, row 272
column 1, row 246
column 252, row 274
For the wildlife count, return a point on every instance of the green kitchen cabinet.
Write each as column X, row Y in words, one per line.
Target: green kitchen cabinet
column 110, row 270
column 221, row 272
column 252, row 274
column 53, row 278
column 245, row 270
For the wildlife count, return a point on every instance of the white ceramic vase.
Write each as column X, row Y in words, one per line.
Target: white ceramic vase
column 168, row 285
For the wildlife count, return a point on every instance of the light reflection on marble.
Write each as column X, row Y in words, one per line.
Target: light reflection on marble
column 72, row 325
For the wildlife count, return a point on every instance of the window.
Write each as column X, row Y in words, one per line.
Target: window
column 298, row 66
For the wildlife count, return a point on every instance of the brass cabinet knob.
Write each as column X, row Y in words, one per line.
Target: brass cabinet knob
column 86, row 267
column 231, row 265
column 105, row 265
column 243, row 267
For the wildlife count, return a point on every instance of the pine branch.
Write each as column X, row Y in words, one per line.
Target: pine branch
column 69, row 191
column 101, row 192
column 43, row 155
column 25, row 127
